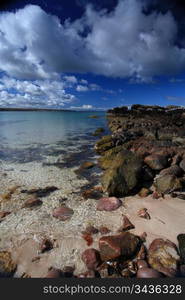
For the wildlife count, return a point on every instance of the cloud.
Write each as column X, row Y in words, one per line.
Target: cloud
column 83, row 107
column 124, row 43
column 71, row 79
column 176, row 99
column 82, row 88
column 38, row 93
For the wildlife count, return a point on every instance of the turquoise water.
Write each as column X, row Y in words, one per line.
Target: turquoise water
column 36, row 131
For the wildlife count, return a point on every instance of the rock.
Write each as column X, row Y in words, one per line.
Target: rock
column 168, row 183
column 127, row 225
column 87, row 165
column 104, row 144
column 156, row 162
column 142, row 213
column 68, row 271
column 112, row 247
column 148, row 273
column 46, row 245
column 63, row 213
column 180, row 196
column 144, row 192
column 182, row 164
column 88, row 274
column 143, row 236
column 173, row 170
column 109, row 203
column 99, row 131
column 41, row 192
column 157, row 195
column 104, row 230
column 163, row 257
column 181, row 241
column 88, row 238
column 3, row 214
column 90, row 230
column 142, row 252
column 123, row 175
column 108, row 156
column 7, row 265
column 176, row 159
column 91, row 258
column 182, row 270
column 33, row 202
column 142, row 264
column 54, row 273
column 93, row 193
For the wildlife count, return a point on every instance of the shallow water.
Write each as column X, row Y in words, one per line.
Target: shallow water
column 33, row 136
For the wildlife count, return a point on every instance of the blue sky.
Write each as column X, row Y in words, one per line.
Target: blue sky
column 83, row 54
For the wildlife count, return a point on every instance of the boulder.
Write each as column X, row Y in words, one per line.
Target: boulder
column 173, row 170
column 156, row 161
column 91, row 258
column 124, row 244
column 63, row 213
column 168, row 183
column 104, row 144
column 182, row 164
column 123, row 174
column 108, row 156
column 98, row 131
column 163, row 257
column 109, row 203
column 148, row 273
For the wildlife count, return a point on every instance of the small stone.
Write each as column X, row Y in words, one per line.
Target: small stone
column 88, row 238
column 182, row 270
column 88, row 274
column 68, row 271
column 142, row 213
column 91, row 258
column 124, row 244
column 63, row 213
column 3, row 214
column 148, row 273
column 109, row 203
column 142, row 253
column 92, row 194
column 163, row 257
column 142, row 264
column 87, row 165
column 143, row 236
column 33, row 202
column 90, row 230
column 127, row 225
column 54, row 273
column 46, row 245
column 156, row 195
column 144, row 192
column 104, row 230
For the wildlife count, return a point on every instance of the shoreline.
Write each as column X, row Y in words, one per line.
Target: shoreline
column 25, row 228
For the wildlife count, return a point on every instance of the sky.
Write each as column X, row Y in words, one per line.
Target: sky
column 92, row 54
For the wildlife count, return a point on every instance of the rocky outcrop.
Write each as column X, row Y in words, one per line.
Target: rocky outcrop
column 146, row 147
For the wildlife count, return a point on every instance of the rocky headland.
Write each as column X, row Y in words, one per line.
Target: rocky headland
column 129, row 222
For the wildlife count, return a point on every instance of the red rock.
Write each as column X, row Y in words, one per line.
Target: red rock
column 109, row 203
column 88, row 274
column 32, row 203
column 53, row 273
column 90, row 230
column 141, row 263
column 104, row 230
column 3, row 214
column 127, row 225
column 91, row 258
column 156, row 161
column 148, row 273
column 163, row 257
column 88, row 238
column 142, row 213
column 125, row 244
column 142, row 252
column 156, row 195
column 46, row 245
column 63, row 213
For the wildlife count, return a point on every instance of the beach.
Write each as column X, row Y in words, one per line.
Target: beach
column 54, row 175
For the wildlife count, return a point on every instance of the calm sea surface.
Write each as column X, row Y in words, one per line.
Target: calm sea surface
column 27, row 136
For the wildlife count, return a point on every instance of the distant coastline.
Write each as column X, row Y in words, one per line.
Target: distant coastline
column 43, row 109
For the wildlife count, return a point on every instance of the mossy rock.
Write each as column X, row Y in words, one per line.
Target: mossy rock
column 106, row 159
column 104, row 144
column 123, row 175
column 99, row 131
column 168, row 183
